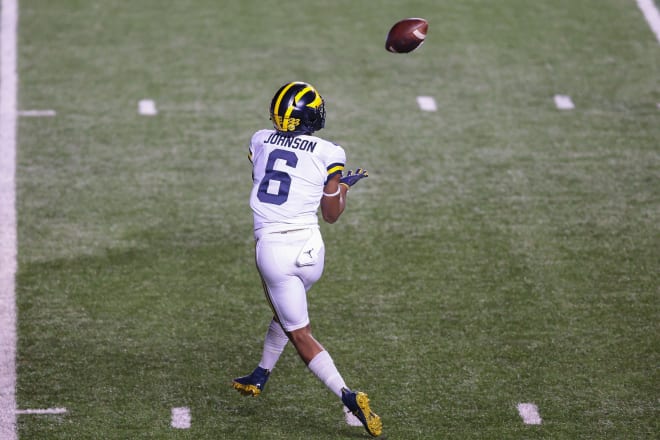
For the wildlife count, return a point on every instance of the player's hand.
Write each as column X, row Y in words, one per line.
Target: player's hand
column 351, row 179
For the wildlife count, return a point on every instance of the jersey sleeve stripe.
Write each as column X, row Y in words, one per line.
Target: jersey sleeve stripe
column 335, row 168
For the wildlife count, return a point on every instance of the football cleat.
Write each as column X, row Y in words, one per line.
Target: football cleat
column 358, row 404
column 252, row 384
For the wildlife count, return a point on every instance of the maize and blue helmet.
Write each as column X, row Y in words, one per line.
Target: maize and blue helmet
column 297, row 108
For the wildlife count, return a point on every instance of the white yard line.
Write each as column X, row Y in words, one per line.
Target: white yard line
column 529, row 413
column 181, row 418
column 45, row 411
column 8, row 86
column 37, row 113
column 652, row 15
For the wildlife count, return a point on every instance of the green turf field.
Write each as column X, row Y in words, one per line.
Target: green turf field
column 502, row 251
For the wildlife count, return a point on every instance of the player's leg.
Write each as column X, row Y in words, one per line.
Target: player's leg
column 320, row 363
column 317, row 359
column 274, row 344
column 275, row 257
column 286, row 285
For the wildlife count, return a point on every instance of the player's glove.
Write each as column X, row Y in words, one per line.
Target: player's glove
column 351, row 179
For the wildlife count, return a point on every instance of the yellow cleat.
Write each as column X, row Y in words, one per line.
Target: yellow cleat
column 358, row 404
column 252, row 384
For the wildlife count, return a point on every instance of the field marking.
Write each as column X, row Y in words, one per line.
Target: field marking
column 529, row 413
column 8, row 92
column 427, row 103
column 147, row 107
column 181, row 417
column 652, row 15
column 564, row 102
column 37, row 113
column 44, row 411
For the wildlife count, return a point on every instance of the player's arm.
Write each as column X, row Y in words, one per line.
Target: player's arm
column 333, row 201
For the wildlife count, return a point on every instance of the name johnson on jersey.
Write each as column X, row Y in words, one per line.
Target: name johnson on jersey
column 291, row 142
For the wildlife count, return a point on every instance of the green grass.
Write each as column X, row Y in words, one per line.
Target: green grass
column 500, row 252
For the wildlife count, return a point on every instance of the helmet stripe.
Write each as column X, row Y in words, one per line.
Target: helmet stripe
column 276, row 109
column 317, row 98
column 297, row 98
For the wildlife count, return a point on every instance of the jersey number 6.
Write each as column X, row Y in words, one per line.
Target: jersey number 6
column 284, row 179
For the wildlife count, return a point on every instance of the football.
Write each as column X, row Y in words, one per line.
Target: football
column 406, row 35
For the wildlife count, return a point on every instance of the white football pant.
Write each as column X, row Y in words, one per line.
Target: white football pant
column 290, row 263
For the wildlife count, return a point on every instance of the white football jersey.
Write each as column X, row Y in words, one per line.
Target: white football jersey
column 288, row 174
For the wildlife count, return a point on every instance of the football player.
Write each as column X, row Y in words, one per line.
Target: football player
column 294, row 172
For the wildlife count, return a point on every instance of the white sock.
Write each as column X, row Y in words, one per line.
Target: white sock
column 324, row 368
column 274, row 344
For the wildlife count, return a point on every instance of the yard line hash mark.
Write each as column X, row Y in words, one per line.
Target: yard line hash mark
column 427, row 103
column 8, row 92
column 181, row 417
column 652, row 15
column 147, row 107
column 529, row 413
column 37, row 113
column 45, row 411
column 564, row 102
